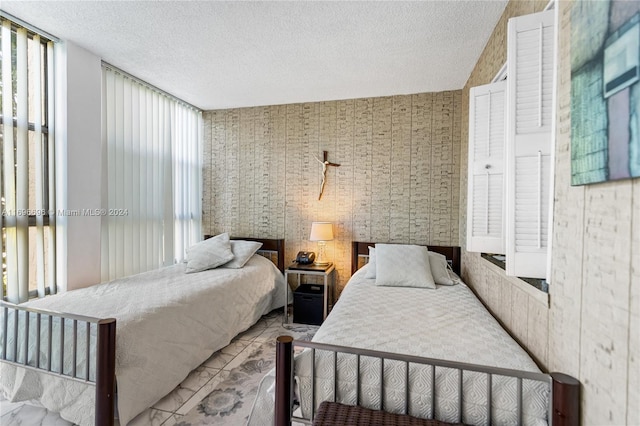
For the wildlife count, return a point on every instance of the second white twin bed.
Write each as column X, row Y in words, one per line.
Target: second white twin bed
column 444, row 322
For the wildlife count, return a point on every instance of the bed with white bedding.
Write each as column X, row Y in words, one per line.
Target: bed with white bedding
column 168, row 323
column 444, row 323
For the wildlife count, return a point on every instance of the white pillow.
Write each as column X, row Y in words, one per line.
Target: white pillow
column 440, row 269
column 209, row 254
column 403, row 266
column 242, row 252
column 371, row 269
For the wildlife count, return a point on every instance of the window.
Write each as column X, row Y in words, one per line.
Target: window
column 510, row 148
column 26, row 164
column 153, row 163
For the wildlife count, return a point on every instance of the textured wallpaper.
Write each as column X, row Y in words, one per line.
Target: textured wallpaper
column 398, row 180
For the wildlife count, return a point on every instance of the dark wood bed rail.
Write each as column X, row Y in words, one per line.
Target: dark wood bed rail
column 564, row 397
column 284, row 386
column 452, row 253
column 566, row 400
column 106, row 372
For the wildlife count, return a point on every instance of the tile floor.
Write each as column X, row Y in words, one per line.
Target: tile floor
column 200, row 383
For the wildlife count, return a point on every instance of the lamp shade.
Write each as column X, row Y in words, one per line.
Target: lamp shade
column 321, row 231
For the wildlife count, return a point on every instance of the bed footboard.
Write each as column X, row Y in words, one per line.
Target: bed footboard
column 563, row 390
column 73, row 347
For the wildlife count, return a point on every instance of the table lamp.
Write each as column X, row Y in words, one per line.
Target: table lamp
column 321, row 232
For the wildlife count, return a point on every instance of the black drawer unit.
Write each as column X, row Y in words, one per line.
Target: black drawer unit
column 307, row 304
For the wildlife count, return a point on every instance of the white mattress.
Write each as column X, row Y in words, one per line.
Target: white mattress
column 168, row 323
column 448, row 323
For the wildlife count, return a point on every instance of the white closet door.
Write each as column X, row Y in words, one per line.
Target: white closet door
column 531, row 59
column 485, row 201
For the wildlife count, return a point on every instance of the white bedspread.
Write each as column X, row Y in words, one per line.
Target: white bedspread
column 168, row 323
column 447, row 323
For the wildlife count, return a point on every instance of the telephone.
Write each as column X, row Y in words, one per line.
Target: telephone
column 305, row 257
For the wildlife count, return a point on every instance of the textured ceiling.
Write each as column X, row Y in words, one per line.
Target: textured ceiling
column 231, row 54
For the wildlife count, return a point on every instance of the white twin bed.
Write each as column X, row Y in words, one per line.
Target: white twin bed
column 168, row 323
column 464, row 366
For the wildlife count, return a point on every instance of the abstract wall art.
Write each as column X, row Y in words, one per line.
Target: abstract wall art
column 605, row 91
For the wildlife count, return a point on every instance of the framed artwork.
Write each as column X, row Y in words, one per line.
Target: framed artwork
column 605, row 91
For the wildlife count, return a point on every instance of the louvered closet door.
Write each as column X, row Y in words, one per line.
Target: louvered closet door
column 531, row 73
column 485, row 200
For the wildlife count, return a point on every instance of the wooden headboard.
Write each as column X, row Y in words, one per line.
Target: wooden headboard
column 452, row 253
column 275, row 246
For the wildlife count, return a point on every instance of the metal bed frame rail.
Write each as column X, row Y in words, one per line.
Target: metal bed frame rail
column 564, row 390
column 31, row 323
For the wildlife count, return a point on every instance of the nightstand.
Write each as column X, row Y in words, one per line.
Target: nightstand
column 325, row 271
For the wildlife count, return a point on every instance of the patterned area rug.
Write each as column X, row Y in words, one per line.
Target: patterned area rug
column 230, row 403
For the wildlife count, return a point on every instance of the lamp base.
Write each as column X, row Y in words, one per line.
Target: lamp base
column 320, row 259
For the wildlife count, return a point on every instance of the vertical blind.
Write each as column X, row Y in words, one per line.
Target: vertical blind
column 152, row 150
column 27, row 188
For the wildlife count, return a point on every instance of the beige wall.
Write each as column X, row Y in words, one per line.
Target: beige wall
column 398, row 178
column 595, row 279
column 592, row 328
